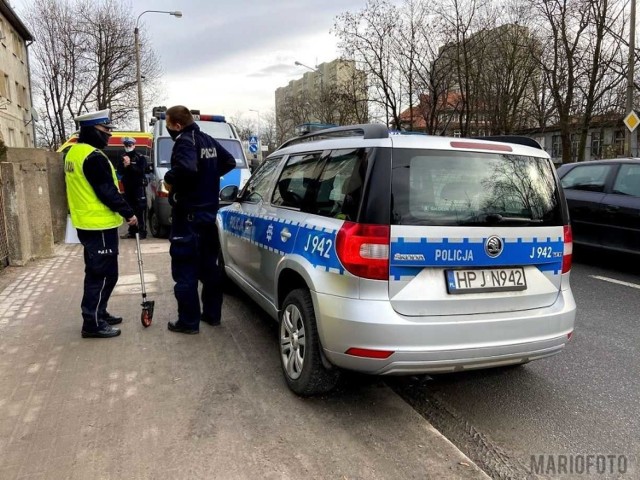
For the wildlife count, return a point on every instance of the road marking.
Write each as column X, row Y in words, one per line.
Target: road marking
column 619, row 282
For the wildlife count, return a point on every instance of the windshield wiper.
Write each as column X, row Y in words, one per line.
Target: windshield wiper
column 496, row 219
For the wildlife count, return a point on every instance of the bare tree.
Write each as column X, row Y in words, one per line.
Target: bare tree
column 84, row 59
column 603, row 52
column 565, row 23
column 368, row 38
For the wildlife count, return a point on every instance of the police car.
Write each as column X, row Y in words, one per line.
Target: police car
column 393, row 254
column 159, row 213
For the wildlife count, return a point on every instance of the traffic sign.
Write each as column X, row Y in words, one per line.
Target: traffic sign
column 253, row 140
column 253, row 147
column 631, row 121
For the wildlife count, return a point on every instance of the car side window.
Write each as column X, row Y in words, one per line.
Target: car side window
column 296, row 180
column 259, row 185
column 340, row 185
column 591, row 178
column 628, row 180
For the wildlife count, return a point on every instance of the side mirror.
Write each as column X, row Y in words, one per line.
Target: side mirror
column 229, row 193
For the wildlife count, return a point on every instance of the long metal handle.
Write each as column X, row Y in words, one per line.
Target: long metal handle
column 141, row 268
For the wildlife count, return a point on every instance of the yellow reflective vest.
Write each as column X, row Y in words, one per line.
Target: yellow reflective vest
column 87, row 211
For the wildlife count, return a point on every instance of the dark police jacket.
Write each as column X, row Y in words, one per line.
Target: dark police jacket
column 197, row 163
column 133, row 176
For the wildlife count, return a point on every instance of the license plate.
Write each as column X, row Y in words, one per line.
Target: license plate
column 485, row 280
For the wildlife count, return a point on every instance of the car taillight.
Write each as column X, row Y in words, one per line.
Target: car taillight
column 568, row 249
column 162, row 192
column 364, row 250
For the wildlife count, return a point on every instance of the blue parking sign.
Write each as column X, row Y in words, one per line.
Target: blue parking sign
column 253, row 147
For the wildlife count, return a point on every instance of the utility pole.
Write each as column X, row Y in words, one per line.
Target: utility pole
column 631, row 137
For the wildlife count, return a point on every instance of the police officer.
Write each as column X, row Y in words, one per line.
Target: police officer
column 132, row 169
column 97, row 209
column 197, row 163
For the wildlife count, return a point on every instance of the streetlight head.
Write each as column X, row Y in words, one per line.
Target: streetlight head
column 297, row 63
column 177, row 13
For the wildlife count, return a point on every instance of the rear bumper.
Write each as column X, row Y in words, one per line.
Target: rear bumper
column 439, row 343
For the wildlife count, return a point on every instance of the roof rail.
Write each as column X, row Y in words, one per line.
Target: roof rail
column 365, row 130
column 517, row 139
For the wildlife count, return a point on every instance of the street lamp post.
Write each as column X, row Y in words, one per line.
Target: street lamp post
column 632, row 137
column 176, row 14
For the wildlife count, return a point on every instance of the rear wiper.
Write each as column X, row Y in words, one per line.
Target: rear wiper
column 497, row 218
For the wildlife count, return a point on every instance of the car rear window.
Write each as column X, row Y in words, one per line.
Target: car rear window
column 447, row 188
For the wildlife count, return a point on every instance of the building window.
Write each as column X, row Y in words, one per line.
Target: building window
column 4, row 85
column 556, row 146
column 18, row 91
column 596, row 144
column 575, row 144
column 619, row 142
column 457, row 133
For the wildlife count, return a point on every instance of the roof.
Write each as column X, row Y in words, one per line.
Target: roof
column 13, row 19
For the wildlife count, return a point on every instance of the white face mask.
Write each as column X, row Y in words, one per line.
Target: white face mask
column 128, row 149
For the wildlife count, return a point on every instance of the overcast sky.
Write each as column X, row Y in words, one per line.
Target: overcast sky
column 229, row 56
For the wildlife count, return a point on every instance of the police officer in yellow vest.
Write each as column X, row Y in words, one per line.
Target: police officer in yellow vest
column 97, row 209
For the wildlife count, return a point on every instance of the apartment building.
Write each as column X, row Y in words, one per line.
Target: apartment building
column 16, row 109
column 333, row 93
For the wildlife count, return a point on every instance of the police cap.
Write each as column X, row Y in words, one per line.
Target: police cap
column 101, row 117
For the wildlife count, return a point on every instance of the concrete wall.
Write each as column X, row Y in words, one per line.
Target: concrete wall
column 35, row 204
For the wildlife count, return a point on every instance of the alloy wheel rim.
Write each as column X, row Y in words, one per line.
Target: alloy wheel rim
column 292, row 342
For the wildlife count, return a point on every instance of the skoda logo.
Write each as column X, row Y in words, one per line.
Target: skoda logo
column 493, row 246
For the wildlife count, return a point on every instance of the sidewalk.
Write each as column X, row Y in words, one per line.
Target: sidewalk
column 152, row 404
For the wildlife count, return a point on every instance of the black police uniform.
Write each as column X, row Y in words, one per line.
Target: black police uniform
column 100, row 246
column 134, row 182
column 197, row 163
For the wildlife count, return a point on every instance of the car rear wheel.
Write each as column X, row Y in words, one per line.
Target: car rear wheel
column 157, row 229
column 300, row 351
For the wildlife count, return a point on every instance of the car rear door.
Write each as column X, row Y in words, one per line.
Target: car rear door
column 621, row 210
column 584, row 188
column 473, row 233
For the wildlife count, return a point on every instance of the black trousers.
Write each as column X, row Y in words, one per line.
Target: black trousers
column 100, row 274
column 194, row 257
column 137, row 200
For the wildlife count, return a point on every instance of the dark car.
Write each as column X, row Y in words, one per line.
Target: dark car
column 604, row 202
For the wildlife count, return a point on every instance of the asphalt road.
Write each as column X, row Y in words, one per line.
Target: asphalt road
column 584, row 401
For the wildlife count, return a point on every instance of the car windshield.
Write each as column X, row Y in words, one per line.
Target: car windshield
column 234, row 147
column 467, row 188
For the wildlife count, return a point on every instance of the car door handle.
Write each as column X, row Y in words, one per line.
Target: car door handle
column 248, row 223
column 285, row 235
column 612, row 208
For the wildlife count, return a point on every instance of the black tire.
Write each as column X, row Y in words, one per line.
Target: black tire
column 155, row 227
column 301, row 361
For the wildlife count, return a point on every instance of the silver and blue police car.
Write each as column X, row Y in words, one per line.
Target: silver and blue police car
column 393, row 254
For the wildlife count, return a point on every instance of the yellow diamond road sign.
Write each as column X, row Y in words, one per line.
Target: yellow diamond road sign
column 632, row 121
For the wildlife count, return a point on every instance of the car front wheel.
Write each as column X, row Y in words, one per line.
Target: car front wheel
column 157, row 229
column 300, row 354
